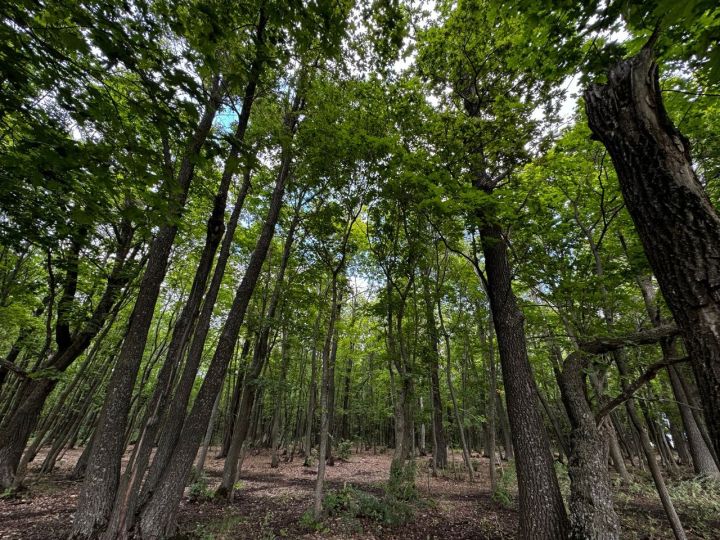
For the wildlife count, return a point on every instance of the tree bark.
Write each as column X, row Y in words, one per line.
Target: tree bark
column 157, row 517
column 677, row 223
column 542, row 511
column 103, row 471
column 260, row 355
column 592, row 515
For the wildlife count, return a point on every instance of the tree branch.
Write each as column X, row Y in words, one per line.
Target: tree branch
column 646, row 337
column 626, row 394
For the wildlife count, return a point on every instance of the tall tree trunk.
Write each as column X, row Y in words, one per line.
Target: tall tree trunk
column 702, row 459
column 235, row 400
column 312, row 390
column 542, row 512
column 130, row 484
column 439, row 444
column 677, row 223
column 325, row 389
column 279, row 401
column 200, row 464
column 260, row 355
column 157, row 517
column 103, row 471
column 173, row 419
column 648, row 450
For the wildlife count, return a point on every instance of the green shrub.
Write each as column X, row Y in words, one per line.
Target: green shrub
column 343, row 449
column 504, row 491
column 402, row 482
column 199, row 487
column 353, row 503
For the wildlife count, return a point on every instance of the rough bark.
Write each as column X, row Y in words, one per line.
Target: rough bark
column 542, row 512
column 157, row 517
column 592, row 515
column 103, row 471
column 172, row 424
column 676, row 222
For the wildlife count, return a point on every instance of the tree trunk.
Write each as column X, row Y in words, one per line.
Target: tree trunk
column 260, row 355
column 325, row 389
column 172, row 424
column 702, row 459
column 592, row 515
column 235, row 400
column 439, row 444
column 542, row 512
column 157, row 517
column 677, row 223
column 279, row 401
column 200, row 465
column 103, row 471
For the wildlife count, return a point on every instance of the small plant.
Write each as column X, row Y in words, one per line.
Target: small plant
column 266, row 531
column 352, row 503
column 402, row 482
column 199, row 488
column 344, row 449
column 308, row 522
column 503, row 493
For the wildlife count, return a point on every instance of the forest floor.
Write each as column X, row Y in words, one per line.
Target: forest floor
column 271, row 503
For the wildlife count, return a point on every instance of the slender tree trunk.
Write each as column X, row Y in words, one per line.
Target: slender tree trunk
column 439, row 444
column 702, row 460
column 103, row 471
column 235, row 400
column 677, row 223
column 200, row 465
column 173, row 419
column 312, row 390
column 260, row 355
column 157, row 516
column 279, row 401
column 325, row 390
column 649, row 452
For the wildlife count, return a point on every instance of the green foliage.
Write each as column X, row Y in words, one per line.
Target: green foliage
column 506, row 489
column 343, row 449
column 353, row 503
column 401, row 485
column 199, row 487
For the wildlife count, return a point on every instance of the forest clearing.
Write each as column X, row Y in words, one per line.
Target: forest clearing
column 359, row 269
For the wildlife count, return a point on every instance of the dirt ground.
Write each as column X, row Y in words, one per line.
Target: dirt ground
column 270, row 504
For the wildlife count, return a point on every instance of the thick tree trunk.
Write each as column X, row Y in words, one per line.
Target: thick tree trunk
column 542, row 512
column 678, row 226
column 592, row 515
